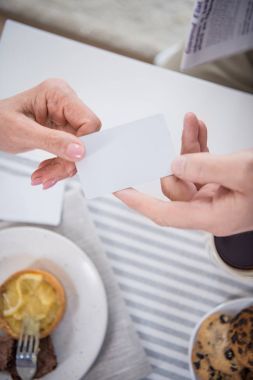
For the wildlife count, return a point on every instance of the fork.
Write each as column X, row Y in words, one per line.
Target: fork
column 27, row 349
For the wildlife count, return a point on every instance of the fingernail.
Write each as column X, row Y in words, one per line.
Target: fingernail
column 75, row 151
column 49, row 183
column 36, row 181
column 178, row 165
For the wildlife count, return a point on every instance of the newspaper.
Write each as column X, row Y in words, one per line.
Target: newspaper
column 218, row 28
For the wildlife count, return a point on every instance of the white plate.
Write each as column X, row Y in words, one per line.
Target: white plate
column 80, row 335
column 229, row 307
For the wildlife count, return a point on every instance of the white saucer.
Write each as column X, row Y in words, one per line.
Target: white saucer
column 80, row 335
column 230, row 308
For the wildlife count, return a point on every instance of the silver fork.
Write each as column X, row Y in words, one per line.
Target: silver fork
column 27, row 350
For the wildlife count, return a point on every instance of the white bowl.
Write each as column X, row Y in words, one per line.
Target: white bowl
column 229, row 307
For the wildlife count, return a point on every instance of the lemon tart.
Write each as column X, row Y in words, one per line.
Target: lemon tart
column 34, row 294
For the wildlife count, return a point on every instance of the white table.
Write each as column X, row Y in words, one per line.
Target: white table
column 165, row 275
column 120, row 89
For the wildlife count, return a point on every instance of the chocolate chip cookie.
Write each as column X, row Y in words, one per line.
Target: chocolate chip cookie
column 213, row 336
column 203, row 367
column 241, row 336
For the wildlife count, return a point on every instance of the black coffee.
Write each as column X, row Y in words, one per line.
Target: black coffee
column 236, row 250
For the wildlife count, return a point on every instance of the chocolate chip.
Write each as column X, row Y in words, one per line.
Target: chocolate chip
column 242, row 322
column 197, row 365
column 240, row 351
column 200, row 356
column 234, row 337
column 241, row 338
column 244, row 373
column 250, row 363
column 229, row 354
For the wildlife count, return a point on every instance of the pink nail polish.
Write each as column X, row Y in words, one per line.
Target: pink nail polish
column 36, row 181
column 49, row 183
column 75, row 151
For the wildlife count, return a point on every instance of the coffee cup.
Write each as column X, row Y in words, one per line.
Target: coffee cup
column 233, row 253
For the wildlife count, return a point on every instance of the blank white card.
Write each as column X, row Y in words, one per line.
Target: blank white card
column 127, row 155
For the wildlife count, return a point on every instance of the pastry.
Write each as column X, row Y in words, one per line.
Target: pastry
column 213, row 336
column 241, row 336
column 33, row 294
column 203, row 367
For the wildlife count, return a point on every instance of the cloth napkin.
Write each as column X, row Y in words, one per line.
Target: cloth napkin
column 21, row 202
column 122, row 356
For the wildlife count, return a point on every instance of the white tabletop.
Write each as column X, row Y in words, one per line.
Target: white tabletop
column 120, row 89
column 165, row 275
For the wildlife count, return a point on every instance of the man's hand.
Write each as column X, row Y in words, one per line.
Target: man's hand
column 208, row 192
column 51, row 117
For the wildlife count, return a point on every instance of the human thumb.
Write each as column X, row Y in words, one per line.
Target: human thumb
column 206, row 168
column 59, row 143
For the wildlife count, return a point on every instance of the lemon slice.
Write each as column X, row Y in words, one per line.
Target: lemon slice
column 11, row 309
column 26, row 284
column 46, row 295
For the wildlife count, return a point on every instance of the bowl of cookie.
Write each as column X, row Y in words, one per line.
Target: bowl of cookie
column 221, row 346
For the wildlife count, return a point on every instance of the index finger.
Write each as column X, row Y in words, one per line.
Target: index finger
column 192, row 215
column 56, row 100
column 80, row 117
column 190, row 134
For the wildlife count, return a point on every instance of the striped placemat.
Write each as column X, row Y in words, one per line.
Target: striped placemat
column 167, row 281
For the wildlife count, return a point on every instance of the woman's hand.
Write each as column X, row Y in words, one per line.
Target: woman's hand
column 208, row 192
column 51, row 117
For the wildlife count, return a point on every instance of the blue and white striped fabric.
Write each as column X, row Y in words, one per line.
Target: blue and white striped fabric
column 167, row 281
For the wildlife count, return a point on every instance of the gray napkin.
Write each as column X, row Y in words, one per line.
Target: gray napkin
column 122, row 356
